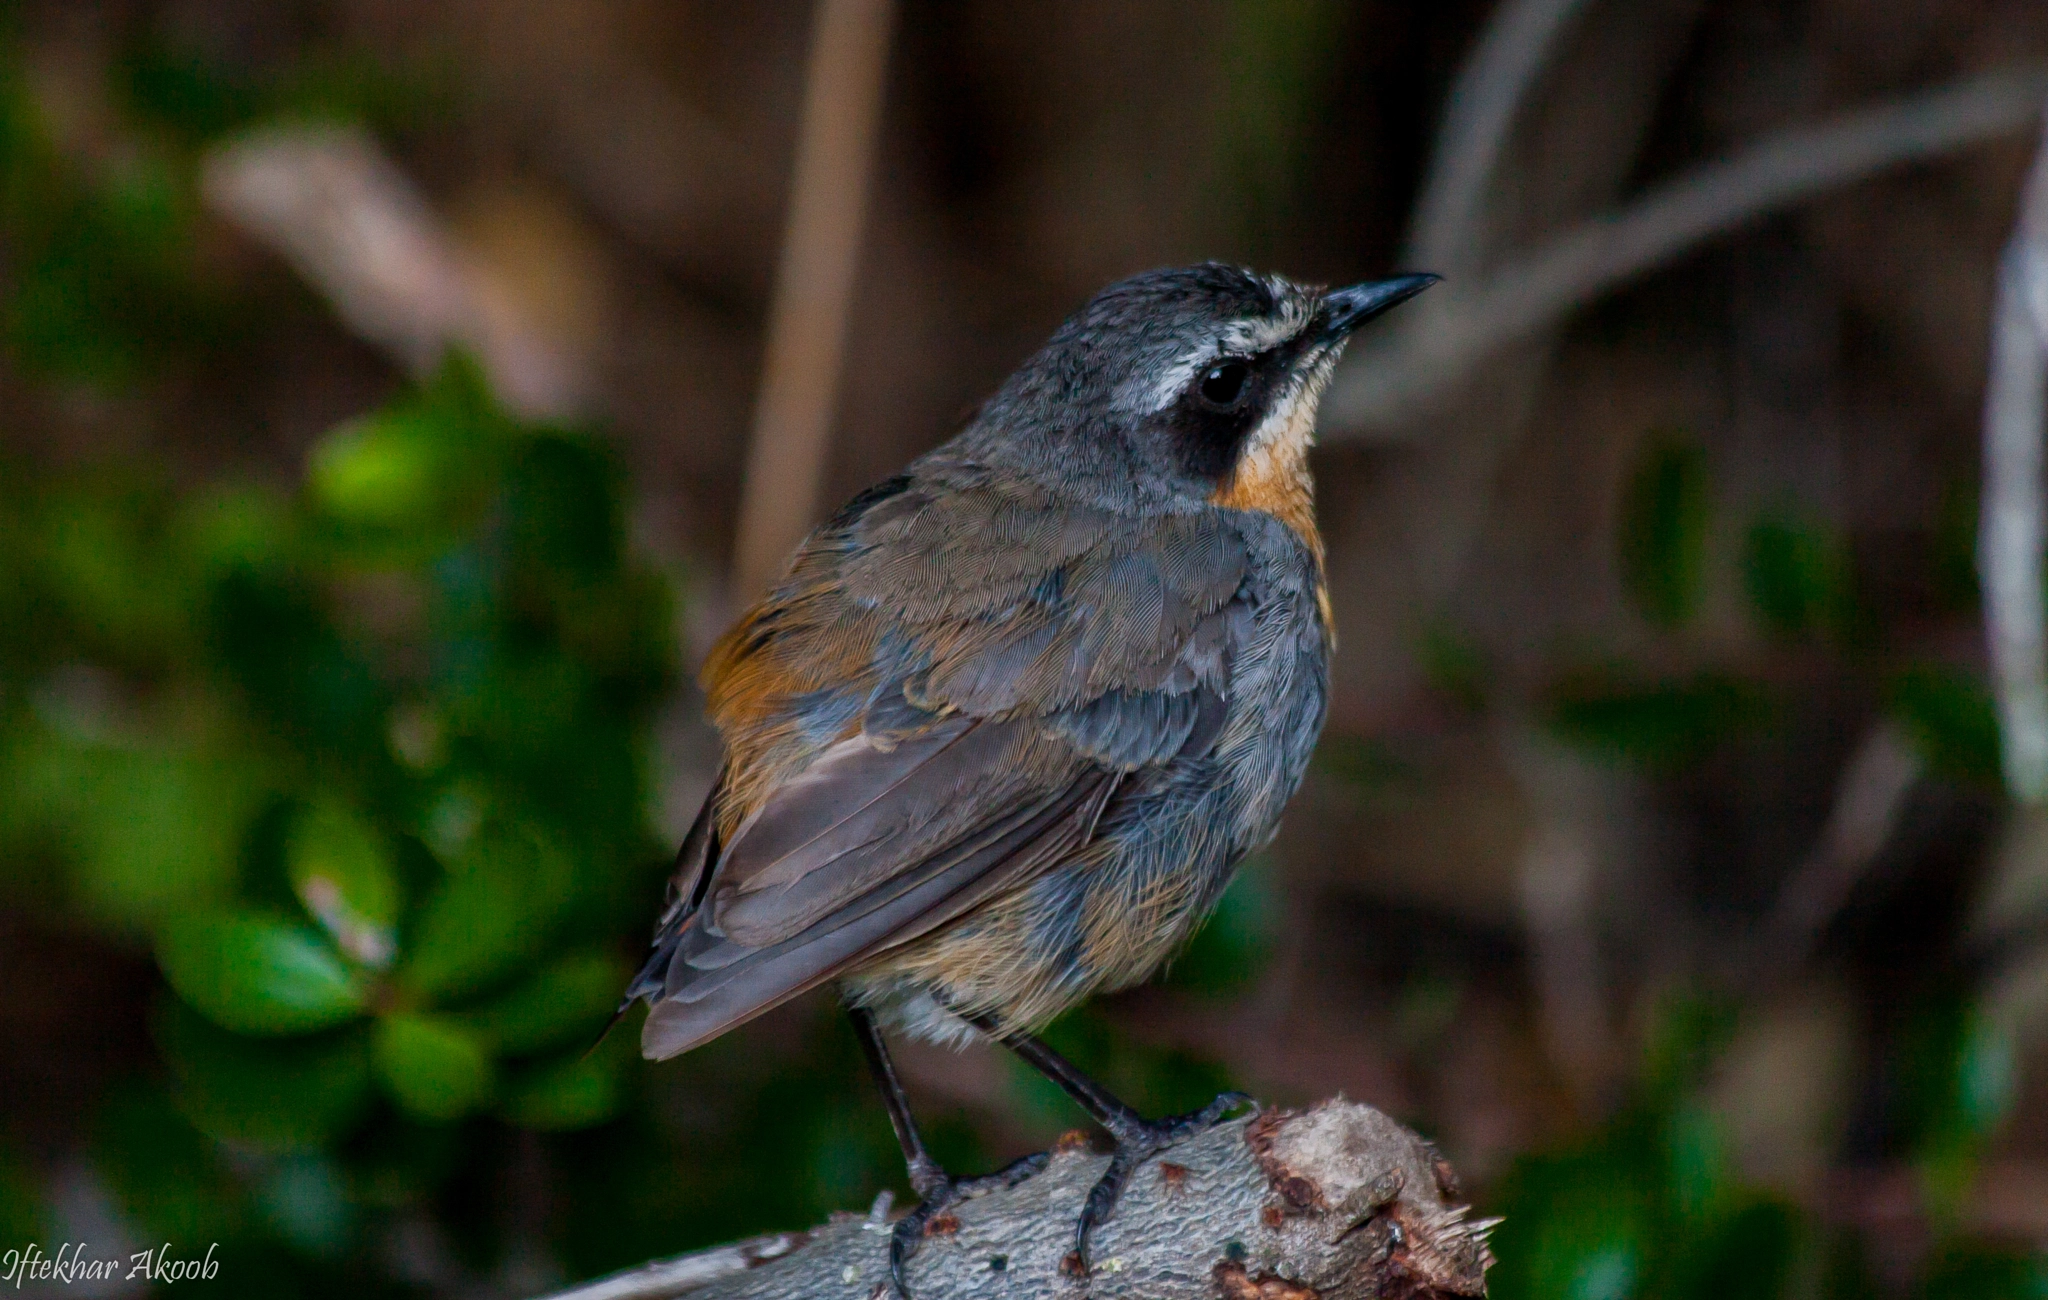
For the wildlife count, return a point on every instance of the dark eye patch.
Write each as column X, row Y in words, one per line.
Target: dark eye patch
column 1222, row 404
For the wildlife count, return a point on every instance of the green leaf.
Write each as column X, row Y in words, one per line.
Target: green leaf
column 576, row 1092
column 568, row 1000
column 258, row 975
column 1951, row 720
column 401, row 483
column 504, row 890
column 1664, row 518
column 301, row 679
column 435, row 1067
column 379, row 471
column 399, row 1161
column 1955, row 1084
column 1795, row 575
column 1697, row 1162
column 288, row 1094
column 149, row 832
column 237, row 525
column 1687, row 1034
column 341, row 870
column 1658, row 725
column 1750, row 1251
column 101, row 558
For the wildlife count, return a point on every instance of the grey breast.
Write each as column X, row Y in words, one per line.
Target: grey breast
column 1280, row 683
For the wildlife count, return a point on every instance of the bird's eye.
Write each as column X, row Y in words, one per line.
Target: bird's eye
column 1224, row 382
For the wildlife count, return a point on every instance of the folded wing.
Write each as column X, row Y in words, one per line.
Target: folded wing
column 937, row 706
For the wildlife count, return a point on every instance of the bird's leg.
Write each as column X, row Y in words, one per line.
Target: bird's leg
column 1137, row 1138
column 935, row 1188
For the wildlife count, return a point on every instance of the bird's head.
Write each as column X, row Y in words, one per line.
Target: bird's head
column 1175, row 381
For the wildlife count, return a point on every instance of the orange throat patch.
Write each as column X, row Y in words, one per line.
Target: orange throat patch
column 1275, row 480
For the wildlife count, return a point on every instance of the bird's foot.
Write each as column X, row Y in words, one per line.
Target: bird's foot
column 1136, row 1142
column 933, row 1215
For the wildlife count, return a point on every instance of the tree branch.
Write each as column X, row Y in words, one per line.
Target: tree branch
column 2010, row 532
column 1404, row 370
column 807, row 322
column 1875, row 784
column 331, row 203
column 1479, row 119
column 1337, row 1201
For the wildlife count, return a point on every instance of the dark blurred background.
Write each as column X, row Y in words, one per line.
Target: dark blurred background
column 378, row 389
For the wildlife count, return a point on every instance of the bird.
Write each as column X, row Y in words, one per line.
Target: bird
column 998, row 737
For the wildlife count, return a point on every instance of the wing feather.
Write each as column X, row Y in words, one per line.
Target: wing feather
column 937, row 705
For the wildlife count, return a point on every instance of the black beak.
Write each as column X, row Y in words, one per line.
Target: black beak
column 1344, row 310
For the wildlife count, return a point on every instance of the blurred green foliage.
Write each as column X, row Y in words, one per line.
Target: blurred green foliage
column 1651, row 1206
column 365, row 765
column 1796, row 577
column 1664, row 524
column 1657, row 724
column 1950, row 717
column 1240, row 937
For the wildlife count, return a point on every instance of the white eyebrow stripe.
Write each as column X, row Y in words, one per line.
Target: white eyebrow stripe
column 1240, row 338
column 1256, row 334
column 1167, row 384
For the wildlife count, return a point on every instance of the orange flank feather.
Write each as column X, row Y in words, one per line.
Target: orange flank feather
column 795, row 640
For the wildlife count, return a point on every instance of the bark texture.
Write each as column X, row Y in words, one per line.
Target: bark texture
column 1334, row 1203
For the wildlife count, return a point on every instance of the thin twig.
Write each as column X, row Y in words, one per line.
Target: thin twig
column 1558, row 878
column 807, row 323
column 1479, row 117
column 2010, row 533
column 1875, row 785
column 1401, row 372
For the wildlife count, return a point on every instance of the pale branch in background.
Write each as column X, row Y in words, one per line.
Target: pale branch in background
column 1556, row 879
column 1397, row 374
column 328, row 201
column 814, row 282
column 1875, row 784
column 1574, row 809
column 2011, row 527
column 1493, row 84
column 1336, row 1201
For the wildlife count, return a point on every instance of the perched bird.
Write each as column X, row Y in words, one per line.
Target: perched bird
column 999, row 736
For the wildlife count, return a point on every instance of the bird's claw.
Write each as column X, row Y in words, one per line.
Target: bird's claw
column 1137, row 1142
column 924, row 1221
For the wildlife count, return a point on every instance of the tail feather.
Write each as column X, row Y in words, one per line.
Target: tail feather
column 685, row 892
